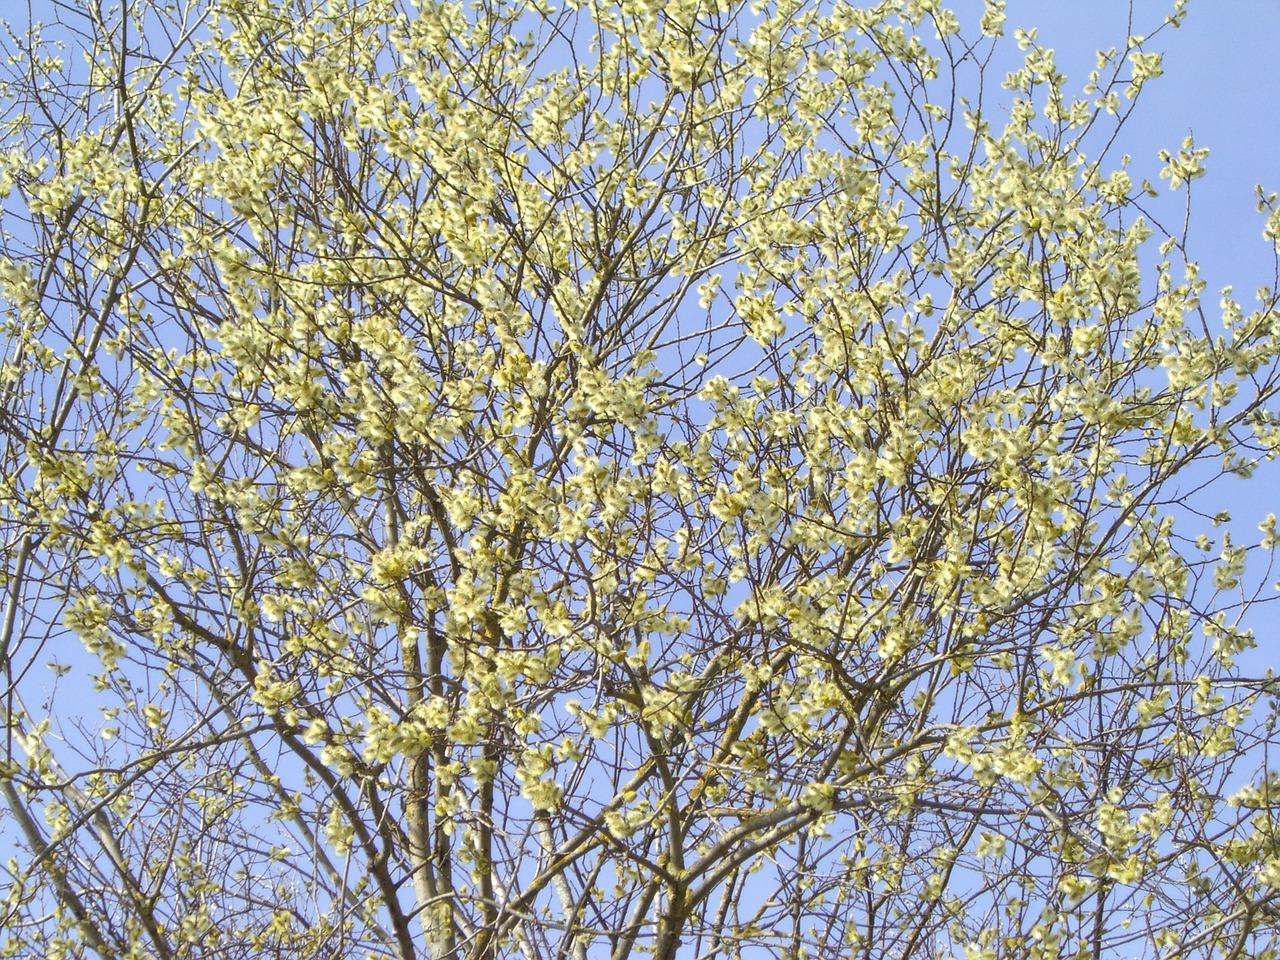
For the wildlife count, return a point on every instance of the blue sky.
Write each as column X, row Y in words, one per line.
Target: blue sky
column 1222, row 78
column 1221, row 83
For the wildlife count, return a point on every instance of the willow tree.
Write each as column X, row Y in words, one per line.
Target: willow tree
column 687, row 479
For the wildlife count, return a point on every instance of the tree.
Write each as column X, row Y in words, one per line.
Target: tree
column 682, row 479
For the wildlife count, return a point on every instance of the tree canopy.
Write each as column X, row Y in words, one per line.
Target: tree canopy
column 592, row 479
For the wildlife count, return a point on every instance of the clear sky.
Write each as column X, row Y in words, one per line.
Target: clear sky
column 1222, row 78
column 1221, row 83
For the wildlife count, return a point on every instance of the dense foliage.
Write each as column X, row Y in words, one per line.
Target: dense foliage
column 677, row 478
